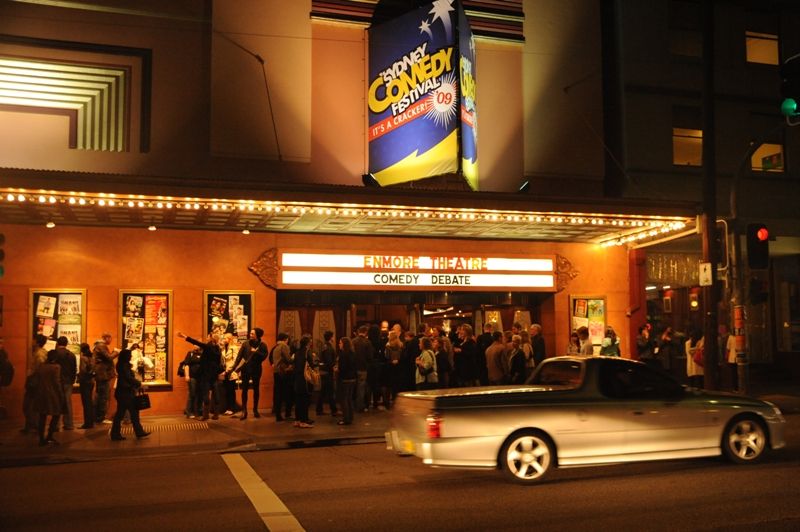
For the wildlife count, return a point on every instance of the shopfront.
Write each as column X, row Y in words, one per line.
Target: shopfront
column 144, row 285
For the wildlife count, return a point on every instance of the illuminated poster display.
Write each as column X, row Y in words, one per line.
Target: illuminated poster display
column 339, row 271
column 414, row 97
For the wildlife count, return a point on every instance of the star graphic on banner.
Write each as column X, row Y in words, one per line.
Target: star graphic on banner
column 441, row 10
column 425, row 27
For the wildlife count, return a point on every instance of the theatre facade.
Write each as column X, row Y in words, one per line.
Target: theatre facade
column 205, row 167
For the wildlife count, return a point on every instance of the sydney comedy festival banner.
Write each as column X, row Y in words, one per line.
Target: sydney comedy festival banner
column 415, row 98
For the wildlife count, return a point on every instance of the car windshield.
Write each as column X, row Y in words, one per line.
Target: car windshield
column 560, row 373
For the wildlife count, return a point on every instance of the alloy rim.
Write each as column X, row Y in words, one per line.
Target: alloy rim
column 747, row 440
column 528, row 457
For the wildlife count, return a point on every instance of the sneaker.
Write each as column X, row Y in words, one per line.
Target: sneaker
column 107, row 422
column 305, row 425
column 192, row 416
column 228, row 412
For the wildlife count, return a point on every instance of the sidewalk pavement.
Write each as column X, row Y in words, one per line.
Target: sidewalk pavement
column 172, row 435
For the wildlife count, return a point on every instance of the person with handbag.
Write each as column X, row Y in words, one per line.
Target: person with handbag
column 127, row 388
column 427, row 378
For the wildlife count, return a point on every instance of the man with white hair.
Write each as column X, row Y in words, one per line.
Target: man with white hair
column 104, row 373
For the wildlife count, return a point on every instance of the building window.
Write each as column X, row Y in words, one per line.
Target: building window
column 687, row 146
column 767, row 158
column 685, row 38
column 761, row 47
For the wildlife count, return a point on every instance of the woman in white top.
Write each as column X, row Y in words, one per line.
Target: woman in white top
column 694, row 370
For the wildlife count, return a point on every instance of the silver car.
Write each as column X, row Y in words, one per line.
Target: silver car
column 578, row 411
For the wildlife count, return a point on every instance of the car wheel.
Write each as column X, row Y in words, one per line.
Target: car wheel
column 744, row 440
column 527, row 457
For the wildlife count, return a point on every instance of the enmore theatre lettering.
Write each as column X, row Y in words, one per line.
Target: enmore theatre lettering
column 409, row 272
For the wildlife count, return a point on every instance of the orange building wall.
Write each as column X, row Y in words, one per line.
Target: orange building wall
column 103, row 261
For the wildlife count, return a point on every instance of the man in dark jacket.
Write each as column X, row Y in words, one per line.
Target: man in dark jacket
column 466, row 357
column 364, row 353
column 210, row 368
column 484, row 341
column 69, row 370
column 104, row 373
column 249, row 362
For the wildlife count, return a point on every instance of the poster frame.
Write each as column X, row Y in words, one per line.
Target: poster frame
column 34, row 294
column 121, row 315
column 208, row 296
column 582, row 304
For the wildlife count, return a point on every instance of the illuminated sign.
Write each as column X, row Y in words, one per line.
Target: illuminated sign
column 410, row 272
column 418, row 64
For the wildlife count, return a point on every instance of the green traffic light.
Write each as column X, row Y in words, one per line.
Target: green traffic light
column 789, row 107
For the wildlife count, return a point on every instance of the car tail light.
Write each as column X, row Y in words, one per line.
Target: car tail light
column 434, row 426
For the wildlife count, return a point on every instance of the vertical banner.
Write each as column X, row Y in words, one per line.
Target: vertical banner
column 469, row 114
column 413, row 95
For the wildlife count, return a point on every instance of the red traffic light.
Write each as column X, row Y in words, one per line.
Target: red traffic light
column 762, row 234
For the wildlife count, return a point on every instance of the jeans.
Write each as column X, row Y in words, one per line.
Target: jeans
column 283, row 395
column 230, row 395
column 346, row 399
column 256, row 385
column 193, row 404
column 101, row 400
column 206, row 385
column 326, row 394
column 68, row 423
column 361, row 390
column 86, row 402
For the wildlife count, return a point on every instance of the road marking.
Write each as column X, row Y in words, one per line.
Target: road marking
column 270, row 508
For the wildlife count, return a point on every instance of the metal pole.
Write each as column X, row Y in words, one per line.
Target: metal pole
column 710, row 293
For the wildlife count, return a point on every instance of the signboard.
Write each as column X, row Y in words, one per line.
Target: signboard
column 338, row 271
column 414, row 95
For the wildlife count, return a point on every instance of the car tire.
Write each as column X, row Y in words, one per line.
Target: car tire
column 527, row 456
column 744, row 440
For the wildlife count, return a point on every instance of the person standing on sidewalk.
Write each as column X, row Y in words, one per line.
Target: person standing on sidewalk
column 210, row 368
column 282, row 369
column 346, row 379
column 327, row 360
column 104, row 373
column 302, row 395
column 86, row 383
column 125, row 394
column 249, row 362
column 364, row 353
column 48, row 397
column 69, row 370
column 38, row 357
column 230, row 351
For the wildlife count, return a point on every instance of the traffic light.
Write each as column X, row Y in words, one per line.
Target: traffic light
column 757, row 246
column 790, row 87
column 2, row 255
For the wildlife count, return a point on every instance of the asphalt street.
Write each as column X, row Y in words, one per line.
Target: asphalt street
column 366, row 487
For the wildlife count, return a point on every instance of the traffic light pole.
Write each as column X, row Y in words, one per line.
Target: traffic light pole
column 710, row 293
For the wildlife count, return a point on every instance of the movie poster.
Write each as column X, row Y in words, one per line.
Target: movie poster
column 413, row 102
column 46, row 307
column 133, row 305
column 57, row 313
column 229, row 312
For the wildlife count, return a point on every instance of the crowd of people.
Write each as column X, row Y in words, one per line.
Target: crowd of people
column 353, row 374
column 50, row 378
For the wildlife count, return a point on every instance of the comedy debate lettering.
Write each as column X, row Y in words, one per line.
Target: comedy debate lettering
column 415, row 271
column 414, row 98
